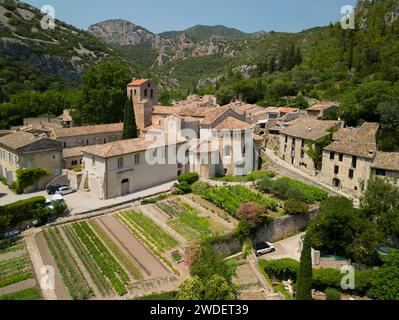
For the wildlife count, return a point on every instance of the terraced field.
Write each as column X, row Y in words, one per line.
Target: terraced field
column 185, row 220
column 17, row 280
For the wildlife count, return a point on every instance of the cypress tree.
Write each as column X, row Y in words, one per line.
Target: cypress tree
column 129, row 121
column 305, row 274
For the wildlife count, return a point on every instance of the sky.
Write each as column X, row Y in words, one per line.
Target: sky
column 167, row 15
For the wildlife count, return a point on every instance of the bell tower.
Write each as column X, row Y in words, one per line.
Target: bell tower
column 144, row 94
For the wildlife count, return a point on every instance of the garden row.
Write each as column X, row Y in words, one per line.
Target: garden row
column 14, row 271
column 150, row 234
column 185, row 220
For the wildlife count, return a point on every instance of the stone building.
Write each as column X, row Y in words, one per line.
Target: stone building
column 347, row 161
column 127, row 166
column 88, row 135
column 25, row 150
column 296, row 139
column 386, row 164
column 322, row 110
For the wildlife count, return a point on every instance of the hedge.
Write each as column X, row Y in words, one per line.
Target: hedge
column 285, row 269
column 13, row 214
column 189, row 178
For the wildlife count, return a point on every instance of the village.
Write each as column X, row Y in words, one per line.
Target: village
column 134, row 211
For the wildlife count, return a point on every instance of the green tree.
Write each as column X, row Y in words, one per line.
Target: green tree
column 191, row 289
column 103, row 94
column 305, row 274
column 129, row 121
column 218, row 288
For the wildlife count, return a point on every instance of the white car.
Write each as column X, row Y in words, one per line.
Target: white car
column 262, row 248
column 64, row 191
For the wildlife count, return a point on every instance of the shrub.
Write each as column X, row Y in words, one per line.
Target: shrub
column 251, row 212
column 198, row 188
column 4, row 181
column 294, row 207
column 77, row 168
column 243, row 230
column 189, row 178
column 21, row 211
column 28, row 177
column 282, row 269
column 332, row 294
column 60, row 207
column 327, row 278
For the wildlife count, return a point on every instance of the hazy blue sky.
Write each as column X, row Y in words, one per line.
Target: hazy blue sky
column 166, row 15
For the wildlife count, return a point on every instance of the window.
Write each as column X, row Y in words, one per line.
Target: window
column 354, row 162
column 380, row 172
column 293, row 141
column 54, row 157
column 57, row 172
column 227, row 151
column 145, row 92
column 29, row 165
column 332, row 155
column 65, row 144
column 136, row 159
column 336, row 169
column 135, row 92
column 286, row 139
column 120, row 163
column 341, row 157
column 152, row 93
column 303, row 144
column 351, row 173
column 149, row 85
column 93, row 162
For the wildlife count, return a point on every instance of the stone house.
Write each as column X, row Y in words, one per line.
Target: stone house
column 322, row 110
column 127, row 166
column 88, row 135
column 347, row 161
column 25, row 150
column 295, row 141
column 386, row 164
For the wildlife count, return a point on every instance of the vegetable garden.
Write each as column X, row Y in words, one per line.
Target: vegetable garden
column 232, row 197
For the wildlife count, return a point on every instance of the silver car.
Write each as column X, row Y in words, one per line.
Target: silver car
column 262, row 248
column 65, row 190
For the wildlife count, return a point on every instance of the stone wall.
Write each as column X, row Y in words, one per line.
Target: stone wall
column 284, row 227
column 279, row 229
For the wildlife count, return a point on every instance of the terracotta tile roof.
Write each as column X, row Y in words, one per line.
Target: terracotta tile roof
column 257, row 137
column 74, row 152
column 231, row 124
column 20, row 139
column 124, row 147
column 343, row 133
column 288, row 110
column 386, row 161
column 309, row 128
column 322, row 106
column 215, row 114
column 88, row 130
column 137, row 82
column 359, row 142
column 157, row 127
column 203, row 146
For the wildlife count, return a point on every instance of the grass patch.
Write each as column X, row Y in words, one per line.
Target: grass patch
column 27, row 294
column 14, row 271
column 11, row 245
column 256, row 175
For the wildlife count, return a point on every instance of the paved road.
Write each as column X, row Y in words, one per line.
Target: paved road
column 287, row 248
column 80, row 202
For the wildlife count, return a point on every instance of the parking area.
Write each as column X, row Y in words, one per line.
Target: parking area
column 287, row 248
column 81, row 202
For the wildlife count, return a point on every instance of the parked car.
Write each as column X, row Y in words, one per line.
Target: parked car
column 65, row 190
column 53, row 189
column 262, row 248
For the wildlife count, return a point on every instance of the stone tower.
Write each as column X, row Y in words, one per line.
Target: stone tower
column 145, row 95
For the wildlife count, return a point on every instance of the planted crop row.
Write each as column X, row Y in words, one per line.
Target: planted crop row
column 117, row 252
column 172, row 208
column 103, row 258
column 151, row 230
column 232, row 197
column 183, row 229
column 71, row 274
column 98, row 278
column 14, row 271
column 147, row 243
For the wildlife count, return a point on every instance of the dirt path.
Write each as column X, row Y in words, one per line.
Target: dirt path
column 81, row 266
column 41, row 256
column 12, row 255
column 30, row 283
column 141, row 255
